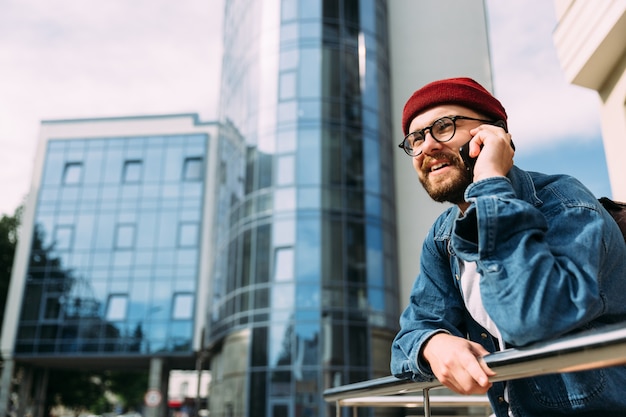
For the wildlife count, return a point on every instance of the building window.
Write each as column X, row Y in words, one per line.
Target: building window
column 63, row 236
column 116, row 307
column 52, row 309
column 125, row 236
column 192, row 170
column 188, row 235
column 283, row 264
column 182, row 308
column 73, row 173
column 132, row 171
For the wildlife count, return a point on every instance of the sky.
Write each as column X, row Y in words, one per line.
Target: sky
column 68, row 59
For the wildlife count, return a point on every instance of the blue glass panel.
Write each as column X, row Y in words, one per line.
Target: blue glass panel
column 93, row 167
column 373, row 205
column 289, row 59
column 367, row 15
column 285, row 199
column 182, row 308
column 310, row 9
column 283, row 232
column 308, row 296
column 279, row 344
column 307, row 343
column 308, row 157
column 105, row 229
column 309, row 198
column 309, row 77
column 188, row 234
column 370, row 86
column 375, row 269
column 72, row 173
column 287, row 112
column 165, row 258
column 186, row 257
column 376, row 299
column 173, row 163
column 146, row 231
column 153, row 163
column 181, row 330
column 53, row 171
column 308, row 253
column 113, row 166
column 283, row 296
column 167, row 229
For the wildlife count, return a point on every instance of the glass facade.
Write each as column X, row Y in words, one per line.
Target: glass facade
column 113, row 267
column 305, row 281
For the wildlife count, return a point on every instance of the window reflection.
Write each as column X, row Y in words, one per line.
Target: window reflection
column 116, row 308
column 188, row 235
column 192, row 170
column 183, row 307
column 132, row 171
column 63, row 237
column 73, row 173
column 283, row 264
column 125, row 236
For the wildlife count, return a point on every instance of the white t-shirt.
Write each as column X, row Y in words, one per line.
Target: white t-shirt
column 470, row 284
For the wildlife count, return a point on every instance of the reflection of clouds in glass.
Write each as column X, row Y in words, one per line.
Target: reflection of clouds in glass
column 284, row 233
column 307, row 296
column 308, row 251
column 283, row 296
column 283, row 264
column 277, row 342
column 285, row 199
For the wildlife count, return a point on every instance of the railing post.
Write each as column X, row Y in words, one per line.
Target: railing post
column 426, row 402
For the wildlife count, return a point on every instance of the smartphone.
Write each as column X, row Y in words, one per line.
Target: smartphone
column 464, row 150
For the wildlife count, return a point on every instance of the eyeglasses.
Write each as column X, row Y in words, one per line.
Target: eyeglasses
column 442, row 130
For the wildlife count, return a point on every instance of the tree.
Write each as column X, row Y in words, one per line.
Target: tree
column 8, row 240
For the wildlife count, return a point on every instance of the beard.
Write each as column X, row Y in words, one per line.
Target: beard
column 452, row 189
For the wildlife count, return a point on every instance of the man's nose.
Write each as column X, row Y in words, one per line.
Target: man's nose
column 430, row 143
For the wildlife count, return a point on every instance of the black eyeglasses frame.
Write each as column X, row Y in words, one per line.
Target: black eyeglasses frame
column 409, row 150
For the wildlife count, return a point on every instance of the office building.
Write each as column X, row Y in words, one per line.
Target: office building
column 109, row 266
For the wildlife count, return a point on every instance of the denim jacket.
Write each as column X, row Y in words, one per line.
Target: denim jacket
column 552, row 262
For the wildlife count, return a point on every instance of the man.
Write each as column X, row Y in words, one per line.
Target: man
column 520, row 257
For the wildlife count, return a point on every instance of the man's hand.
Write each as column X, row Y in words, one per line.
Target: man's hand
column 457, row 363
column 492, row 146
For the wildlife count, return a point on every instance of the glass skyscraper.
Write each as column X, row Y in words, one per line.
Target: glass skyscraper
column 305, row 292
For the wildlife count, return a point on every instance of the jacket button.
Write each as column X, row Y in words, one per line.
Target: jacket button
column 501, row 399
column 457, row 277
column 483, row 335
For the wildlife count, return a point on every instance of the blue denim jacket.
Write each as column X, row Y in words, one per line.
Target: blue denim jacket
column 551, row 261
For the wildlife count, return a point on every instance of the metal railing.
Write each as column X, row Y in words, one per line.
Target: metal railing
column 586, row 350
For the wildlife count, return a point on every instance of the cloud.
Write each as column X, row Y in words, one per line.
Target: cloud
column 542, row 106
column 93, row 58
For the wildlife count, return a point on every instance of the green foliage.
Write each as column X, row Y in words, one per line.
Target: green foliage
column 129, row 386
column 78, row 390
column 8, row 240
column 85, row 390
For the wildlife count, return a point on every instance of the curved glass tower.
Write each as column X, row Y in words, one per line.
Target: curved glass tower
column 305, row 289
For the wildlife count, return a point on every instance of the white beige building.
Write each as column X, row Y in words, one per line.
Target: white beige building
column 590, row 39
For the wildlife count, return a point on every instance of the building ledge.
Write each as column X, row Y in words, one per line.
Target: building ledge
column 589, row 40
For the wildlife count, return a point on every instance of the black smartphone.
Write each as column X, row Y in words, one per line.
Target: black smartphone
column 464, row 150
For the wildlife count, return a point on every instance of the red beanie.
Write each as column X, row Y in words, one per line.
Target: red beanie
column 460, row 91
